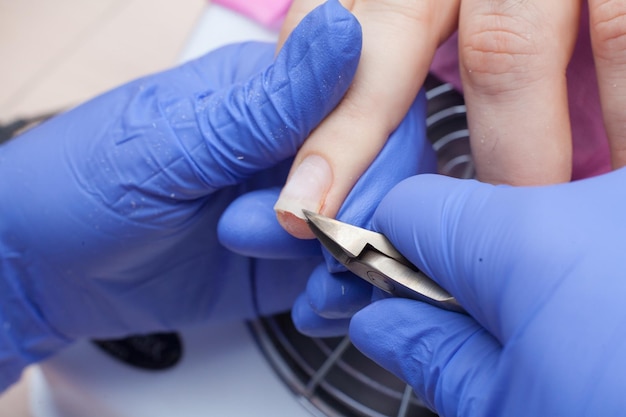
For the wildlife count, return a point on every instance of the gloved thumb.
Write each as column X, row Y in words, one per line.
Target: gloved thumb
column 446, row 357
column 467, row 236
column 252, row 126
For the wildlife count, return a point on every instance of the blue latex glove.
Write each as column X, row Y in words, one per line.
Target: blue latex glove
column 109, row 214
column 332, row 296
column 540, row 270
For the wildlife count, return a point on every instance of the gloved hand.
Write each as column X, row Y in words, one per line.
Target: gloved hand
column 540, row 270
column 109, row 213
column 332, row 295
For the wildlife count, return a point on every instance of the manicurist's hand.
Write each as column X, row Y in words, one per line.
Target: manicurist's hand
column 108, row 225
column 540, row 270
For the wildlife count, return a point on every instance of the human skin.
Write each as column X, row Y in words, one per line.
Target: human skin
column 513, row 57
column 386, row 83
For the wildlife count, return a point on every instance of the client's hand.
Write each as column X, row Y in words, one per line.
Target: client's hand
column 513, row 59
column 399, row 41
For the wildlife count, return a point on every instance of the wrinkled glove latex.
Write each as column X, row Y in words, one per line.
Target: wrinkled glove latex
column 540, row 270
column 332, row 295
column 109, row 214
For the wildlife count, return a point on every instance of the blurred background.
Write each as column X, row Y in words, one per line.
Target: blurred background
column 58, row 53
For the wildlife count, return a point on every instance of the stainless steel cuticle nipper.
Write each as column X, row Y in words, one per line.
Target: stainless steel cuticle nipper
column 372, row 257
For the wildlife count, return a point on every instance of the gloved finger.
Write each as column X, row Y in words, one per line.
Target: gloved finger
column 249, row 227
column 607, row 36
column 451, row 229
column 407, row 152
column 254, row 125
column 399, row 41
column 447, row 358
column 311, row 324
column 278, row 283
column 501, row 251
column 513, row 59
column 337, row 296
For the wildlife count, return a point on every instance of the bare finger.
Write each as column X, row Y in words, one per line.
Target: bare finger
column 399, row 41
column 514, row 56
column 608, row 37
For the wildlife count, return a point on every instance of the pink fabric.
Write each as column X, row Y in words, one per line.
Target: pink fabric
column 269, row 13
column 591, row 149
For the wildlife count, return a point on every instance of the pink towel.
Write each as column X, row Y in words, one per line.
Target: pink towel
column 269, row 13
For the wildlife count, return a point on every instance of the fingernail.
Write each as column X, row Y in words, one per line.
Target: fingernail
column 306, row 188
